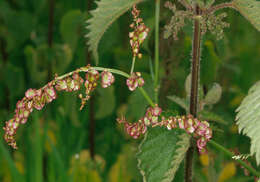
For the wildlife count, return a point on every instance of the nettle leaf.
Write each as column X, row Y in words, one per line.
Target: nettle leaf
column 213, row 95
column 161, row 153
column 250, row 9
column 180, row 101
column 103, row 16
column 248, row 119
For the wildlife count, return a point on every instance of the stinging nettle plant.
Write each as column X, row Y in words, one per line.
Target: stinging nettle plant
column 170, row 137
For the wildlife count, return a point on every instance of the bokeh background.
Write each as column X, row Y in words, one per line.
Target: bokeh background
column 39, row 39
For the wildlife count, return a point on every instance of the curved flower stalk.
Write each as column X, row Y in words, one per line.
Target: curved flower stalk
column 38, row 98
column 199, row 129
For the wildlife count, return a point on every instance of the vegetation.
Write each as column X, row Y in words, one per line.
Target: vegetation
column 129, row 106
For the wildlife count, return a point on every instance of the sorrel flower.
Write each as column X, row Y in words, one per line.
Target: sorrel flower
column 107, row 79
column 139, row 34
column 39, row 98
column 199, row 129
column 134, row 81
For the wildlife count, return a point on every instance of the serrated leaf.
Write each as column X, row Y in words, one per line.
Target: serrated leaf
column 250, row 9
column 180, row 101
column 161, row 153
column 103, row 16
column 213, row 95
column 248, row 119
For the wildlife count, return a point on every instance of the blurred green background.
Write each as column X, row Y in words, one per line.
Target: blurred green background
column 41, row 38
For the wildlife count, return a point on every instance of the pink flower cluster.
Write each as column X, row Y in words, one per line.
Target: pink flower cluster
column 199, row 129
column 139, row 34
column 37, row 99
column 34, row 99
column 134, row 81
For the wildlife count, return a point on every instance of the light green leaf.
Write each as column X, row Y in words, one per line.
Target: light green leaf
column 188, row 85
column 180, row 101
column 211, row 116
column 213, row 95
column 161, row 153
column 250, row 9
column 103, row 16
column 106, row 102
column 69, row 27
column 248, row 119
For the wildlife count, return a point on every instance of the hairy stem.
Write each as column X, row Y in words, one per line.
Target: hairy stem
column 220, row 6
column 195, row 68
column 156, row 48
column 230, row 154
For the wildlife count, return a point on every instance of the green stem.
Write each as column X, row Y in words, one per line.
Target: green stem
column 230, row 154
column 133, row 65
column 146, row 96
column 115, row 71
column 156, row 48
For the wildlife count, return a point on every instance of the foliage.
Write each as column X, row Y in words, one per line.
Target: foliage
column 103, row 16
column 56, row 144
column 161, row 153
column 247, row 119
column 250, row 9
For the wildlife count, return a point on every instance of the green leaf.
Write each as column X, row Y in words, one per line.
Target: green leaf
column 213, row 95
column 188, row 85
column 69, row 27
column 250, row 9
column 180, row 101
column 211, row 116
column 106, row 102
column 161, row 153
column 248, row 119
column 103, row 16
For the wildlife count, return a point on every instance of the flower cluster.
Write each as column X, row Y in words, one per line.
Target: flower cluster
column 139, row 34
column 134, row 81
column 199, row 129
column 37, row 99
column 107, row 79
column 34, row 99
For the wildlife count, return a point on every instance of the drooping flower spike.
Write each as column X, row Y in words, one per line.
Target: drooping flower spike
column 199, row 129
column 37, row 99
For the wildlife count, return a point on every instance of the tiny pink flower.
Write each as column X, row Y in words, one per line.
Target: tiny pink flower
column 30, row 93
column 20, row 104
column 61, row 85
column 157, row 111
column 107, row 79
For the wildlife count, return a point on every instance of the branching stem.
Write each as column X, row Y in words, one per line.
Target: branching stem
column 213, row 9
